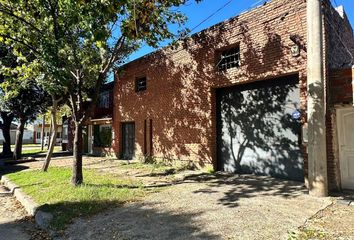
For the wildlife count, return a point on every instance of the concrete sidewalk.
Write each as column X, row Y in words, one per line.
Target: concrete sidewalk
column 208, row 207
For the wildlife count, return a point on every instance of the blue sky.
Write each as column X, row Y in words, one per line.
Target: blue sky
column 196, row 13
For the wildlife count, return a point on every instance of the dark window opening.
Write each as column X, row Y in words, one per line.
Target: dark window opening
column 229, row 58
column 102, row 135
column 140, row 84
column 103, row 100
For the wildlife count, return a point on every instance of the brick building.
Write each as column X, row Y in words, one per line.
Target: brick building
column 97, row 131
column 234, row 95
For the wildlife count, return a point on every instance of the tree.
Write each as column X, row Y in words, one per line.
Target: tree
column 5, row 126
column 25, row 106
column 7, row 117
column 20, row 96
column 78, row 43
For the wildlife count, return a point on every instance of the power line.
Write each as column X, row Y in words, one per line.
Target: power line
column 212, row 15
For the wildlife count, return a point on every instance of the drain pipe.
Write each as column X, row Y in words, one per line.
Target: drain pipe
column 316, row 109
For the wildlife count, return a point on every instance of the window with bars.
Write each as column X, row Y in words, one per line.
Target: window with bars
column 140, row 84
column 229, row 58
column 104, row 100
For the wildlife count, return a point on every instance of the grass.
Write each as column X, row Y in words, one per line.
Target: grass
column 307, row 234
column 151, row 167
column 66, row 202
column 38, row 150
column 29, row 145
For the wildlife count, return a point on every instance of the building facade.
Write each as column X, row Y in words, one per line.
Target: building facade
column 97, row 131
column 37, row 128
column 234, row 95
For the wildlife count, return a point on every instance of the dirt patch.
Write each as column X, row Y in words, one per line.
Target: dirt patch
column 223, row 207
column 15, row 224
column 334, row 222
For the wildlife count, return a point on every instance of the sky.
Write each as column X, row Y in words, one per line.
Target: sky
column 197, row 13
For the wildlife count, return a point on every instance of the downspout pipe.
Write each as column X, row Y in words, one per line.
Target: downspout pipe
column 316, row 104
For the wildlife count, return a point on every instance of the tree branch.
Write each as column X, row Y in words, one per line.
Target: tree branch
column 114, row 54
column 8, row 12
column 21, row 42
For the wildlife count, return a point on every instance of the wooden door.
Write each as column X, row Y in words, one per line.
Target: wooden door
column 128, row 141
column 345, row 121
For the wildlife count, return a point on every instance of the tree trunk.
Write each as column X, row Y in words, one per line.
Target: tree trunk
column 19, row 138
column 42, row 133
column 6, row 127
column 50, row 132
column 77, row 177
column 53, row 136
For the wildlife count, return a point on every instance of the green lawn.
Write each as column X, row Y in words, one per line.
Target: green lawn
column 54, row 190
column 159, row 167
column 38, row 150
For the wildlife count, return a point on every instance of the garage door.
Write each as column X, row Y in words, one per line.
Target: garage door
column 258, row 127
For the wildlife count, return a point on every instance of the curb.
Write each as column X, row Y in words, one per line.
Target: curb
column 42, row 219
column 27, row 202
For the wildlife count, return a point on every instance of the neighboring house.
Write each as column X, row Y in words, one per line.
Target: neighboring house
column 38, row 133
column 28, row 134
column 97, row 132
column 234, row 96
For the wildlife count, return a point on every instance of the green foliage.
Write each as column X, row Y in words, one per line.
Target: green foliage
column 102, row 137
column 66, row 202
column 82, row 38
column 307, row 234
column 76, row 44
column 19, row 93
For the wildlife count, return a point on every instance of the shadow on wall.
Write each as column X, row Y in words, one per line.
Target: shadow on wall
column 181, row 83
column 257, row 132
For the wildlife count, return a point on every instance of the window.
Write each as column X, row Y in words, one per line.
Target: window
column 102, row 135
column 140, row 84
column 104, row 100
column 58, row 135
column 65, row 132
column 229, row 58
column 38, row 135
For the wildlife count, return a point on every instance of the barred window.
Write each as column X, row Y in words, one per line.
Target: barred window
column 140, row 84
column 229, row 58
column 104, row 100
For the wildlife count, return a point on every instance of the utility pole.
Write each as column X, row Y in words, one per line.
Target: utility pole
column 316, row 104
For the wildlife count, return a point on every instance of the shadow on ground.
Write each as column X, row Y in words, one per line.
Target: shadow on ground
column 23, row 229
column 133, row 221
column 11, row 169
column 247, row 186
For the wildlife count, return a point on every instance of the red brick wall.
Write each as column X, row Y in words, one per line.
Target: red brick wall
column 341, row 86
column 181, row 82
column 340, row 93
column 339, row 51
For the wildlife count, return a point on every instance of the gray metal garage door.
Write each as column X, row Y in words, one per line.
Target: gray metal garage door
column 259, row 128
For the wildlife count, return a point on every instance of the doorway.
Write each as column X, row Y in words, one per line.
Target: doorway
column 258, row 128
column 345, row 125
column 128, row 140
